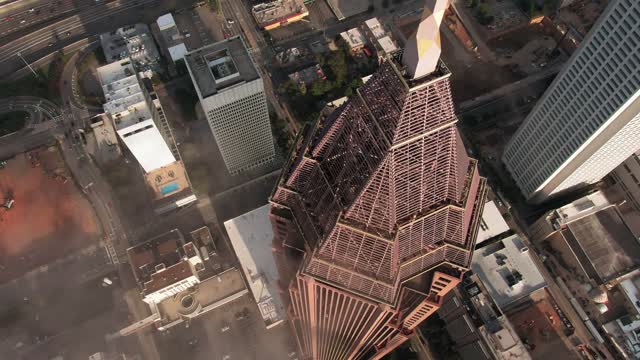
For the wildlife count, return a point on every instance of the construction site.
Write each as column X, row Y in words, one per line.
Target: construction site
column 43, row 215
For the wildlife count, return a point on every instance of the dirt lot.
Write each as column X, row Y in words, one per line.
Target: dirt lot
column 49, row 217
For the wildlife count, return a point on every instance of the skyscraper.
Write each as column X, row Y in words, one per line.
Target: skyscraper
column 232, row 96
column 588, row 121
column 376, row 212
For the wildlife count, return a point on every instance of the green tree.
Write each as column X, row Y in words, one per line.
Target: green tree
column 483, row 15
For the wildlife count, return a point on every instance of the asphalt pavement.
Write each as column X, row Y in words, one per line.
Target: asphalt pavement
column 101, row 18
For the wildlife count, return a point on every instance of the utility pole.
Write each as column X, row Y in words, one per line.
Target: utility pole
column 28, row 65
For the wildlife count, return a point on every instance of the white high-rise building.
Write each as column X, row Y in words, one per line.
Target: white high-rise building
column 232, row 96
column 135, row 115
column 588, row 121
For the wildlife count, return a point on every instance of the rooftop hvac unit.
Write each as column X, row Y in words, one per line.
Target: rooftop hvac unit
column 160, row 267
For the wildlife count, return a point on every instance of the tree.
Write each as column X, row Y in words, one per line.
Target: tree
column 483, row 15
column 288, row 87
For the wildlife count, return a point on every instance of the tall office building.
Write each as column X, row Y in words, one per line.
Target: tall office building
column 232, row 96
column 376, row 213
column 588, row 121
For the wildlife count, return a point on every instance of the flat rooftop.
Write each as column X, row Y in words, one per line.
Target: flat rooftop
column 347, row 8
column 163, row 251
column 251, row 236
column 491, row 224
column 133, row 41
column 171, row 36
column 167, row 180
column 507, row 270
column 603, row 244
column 272, row 12
column 205, row 296
column 125, row 101
column 375, row 27
column 353, row 37
column 221, row 65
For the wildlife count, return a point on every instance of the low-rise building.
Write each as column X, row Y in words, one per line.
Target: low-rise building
column 492, row 223
column 107, row 149
column 508, row 270
column 308, row 75
column 131, row 42
column 380, row 38
column 173, row 40
column 591, row 237
column 251, row 236
column 624, row 328
column 272, row 14
column 477, row 326
column 354, row 38
column 347, row 8
column 180, row 280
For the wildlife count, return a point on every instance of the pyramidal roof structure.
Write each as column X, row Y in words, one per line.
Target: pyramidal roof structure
column 376, row 212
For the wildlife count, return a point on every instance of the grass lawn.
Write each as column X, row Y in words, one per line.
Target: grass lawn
column 12, row 122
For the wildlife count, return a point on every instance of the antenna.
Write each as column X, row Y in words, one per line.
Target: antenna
column 423, row 48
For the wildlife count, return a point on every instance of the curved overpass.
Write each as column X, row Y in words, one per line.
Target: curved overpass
column 39, row 130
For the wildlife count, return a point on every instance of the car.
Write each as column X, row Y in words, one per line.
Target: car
column 226, row 357
column 230, row 21
column 8, row 18
column 32, row 10
column 68, row 33
column 50, row 44
column 23, row 21
column 225, row 328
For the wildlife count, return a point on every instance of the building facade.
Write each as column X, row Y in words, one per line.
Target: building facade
column 232, row 96
column 375, row 215
column 588, row 121
column 626, row 177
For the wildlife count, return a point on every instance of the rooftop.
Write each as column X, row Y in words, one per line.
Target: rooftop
column 507, row 270
column 308, row 75
column 347, row 8
column 167, row 180
column 166, row 21
column 277, row 11
column 171, row 37
column 603, row 244
column 353, row 37
column 375, row 27
column 160, row 255
column 491, row 224
column 382, row 39
column 251, row 236
column 133, row 41
column 205, row 296
column 219, row 66
column 579, row 208
column 125, row 101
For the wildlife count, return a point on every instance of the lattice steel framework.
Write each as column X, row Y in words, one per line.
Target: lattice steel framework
column 383, row 202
